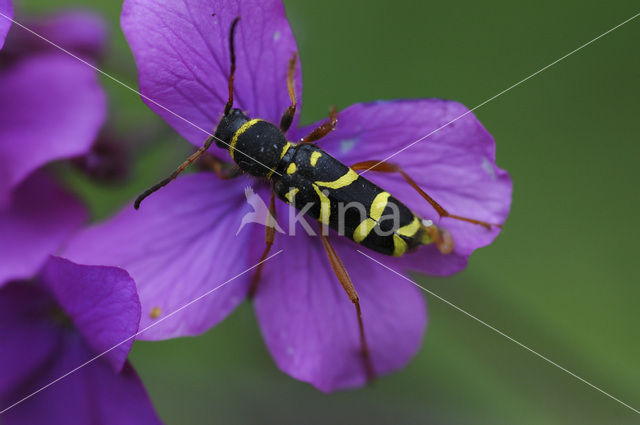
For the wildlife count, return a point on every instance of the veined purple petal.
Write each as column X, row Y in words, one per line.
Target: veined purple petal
column 183, row 59
column 29, row 338
column 6, row 8
column 51, row 107
column 309, row 323
column 178, row 246
column 39, row 218
column 455, row 165
column 94, row 394
column 101, row 302
column 81, row 32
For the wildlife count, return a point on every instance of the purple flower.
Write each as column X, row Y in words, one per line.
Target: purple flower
column 182, row 243
column 6, row 8
column 80, row 32
column 48, row 327
column 51, row 108
column 40, row 217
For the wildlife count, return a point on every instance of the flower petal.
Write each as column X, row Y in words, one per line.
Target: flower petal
column 40, row 217
column 6, row 8
column 178, row 246
column 79, row 31
column 94, row 394
column 28, row 338
column 183, row 59
column 51, row 107
column 101, row 302
column 455, row 165
column 310, row 326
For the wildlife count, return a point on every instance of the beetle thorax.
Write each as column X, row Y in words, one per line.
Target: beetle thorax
column 255, row 145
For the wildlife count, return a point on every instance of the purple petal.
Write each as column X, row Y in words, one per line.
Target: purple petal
column 51, row 107
column 178, row 246
column 94, row 394
column 455, row 165
column 40, row 217
column 101, row 302
column 182, row 53
column 310, row 326
column 29, row 338
column 79, row 31
column 6, row 8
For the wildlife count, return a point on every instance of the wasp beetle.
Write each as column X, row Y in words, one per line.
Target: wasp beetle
column 302, row 174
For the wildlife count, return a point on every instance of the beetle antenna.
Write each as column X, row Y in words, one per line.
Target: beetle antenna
column 232, row 50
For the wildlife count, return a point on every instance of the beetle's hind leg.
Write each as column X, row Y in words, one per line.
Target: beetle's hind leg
column 324, row 128
column 345, row 281
column 386, row 167
column 290, row 112
column 270, row 233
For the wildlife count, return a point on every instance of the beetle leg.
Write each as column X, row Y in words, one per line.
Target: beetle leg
column 323, row 129
column 287, row 117
column 269, row 236
column 345, row 281
column 209, row 141
column 197, row 154
column 224, row 170
column 386, row 167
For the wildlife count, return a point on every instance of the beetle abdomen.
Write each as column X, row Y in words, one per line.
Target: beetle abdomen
column 327, row 190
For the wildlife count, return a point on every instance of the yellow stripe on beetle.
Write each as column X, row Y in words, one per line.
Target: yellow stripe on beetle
column 237, row 134
column 291, row 168
column 399, row 246
column 285, row 149
column 378, row 205
column 291, row 194
column 348, row 178
column 325, row 206
column 375, row 212
column 410, row 229
column 362, row 231
column 315, row 156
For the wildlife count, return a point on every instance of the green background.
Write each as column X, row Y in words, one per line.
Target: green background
column 562, row 278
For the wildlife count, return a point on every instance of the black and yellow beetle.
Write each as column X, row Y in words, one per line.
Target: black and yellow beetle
column 306, row 177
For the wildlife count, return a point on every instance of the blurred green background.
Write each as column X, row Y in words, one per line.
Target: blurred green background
column 562, row 278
